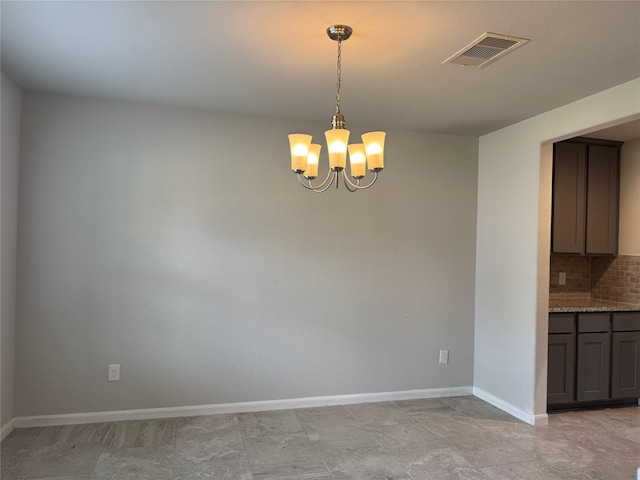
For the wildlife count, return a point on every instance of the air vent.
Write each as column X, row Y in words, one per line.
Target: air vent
column 485, row 49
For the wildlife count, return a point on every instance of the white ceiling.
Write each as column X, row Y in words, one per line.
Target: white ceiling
column 274, row 59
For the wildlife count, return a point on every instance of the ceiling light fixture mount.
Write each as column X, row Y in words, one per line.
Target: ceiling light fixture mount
column 305, row 155
column 339, row 32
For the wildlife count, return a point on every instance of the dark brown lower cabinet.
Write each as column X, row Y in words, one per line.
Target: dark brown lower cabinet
column 561, row 368
column 593, row 366
column 625, row 355
column 561, row 359
column 593, row 358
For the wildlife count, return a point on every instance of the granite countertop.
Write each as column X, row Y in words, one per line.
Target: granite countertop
column 580, row 306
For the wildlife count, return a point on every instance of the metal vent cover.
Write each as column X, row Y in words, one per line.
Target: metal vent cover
column 485, row 49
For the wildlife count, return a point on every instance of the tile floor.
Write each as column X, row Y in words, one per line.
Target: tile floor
column 440, row 439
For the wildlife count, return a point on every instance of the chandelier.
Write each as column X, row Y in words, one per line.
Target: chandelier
column 305, row 155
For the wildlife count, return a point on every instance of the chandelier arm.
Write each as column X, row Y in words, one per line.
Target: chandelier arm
column 347, row 183
column 308, row 184
column 357, row 186
column 333, row 175
column 330, row 175
column 318, row 188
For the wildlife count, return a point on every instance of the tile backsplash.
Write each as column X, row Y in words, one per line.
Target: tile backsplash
column 616, row 279
column 578, row 270
column 600, row 278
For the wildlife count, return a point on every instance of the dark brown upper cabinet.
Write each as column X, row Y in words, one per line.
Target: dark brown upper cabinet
column 586, row 177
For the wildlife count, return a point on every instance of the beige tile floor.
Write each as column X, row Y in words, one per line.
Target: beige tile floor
column 439, row 439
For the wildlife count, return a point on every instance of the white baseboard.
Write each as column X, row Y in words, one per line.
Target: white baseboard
column 511, row 409
column 258, row 406
column 7, row 428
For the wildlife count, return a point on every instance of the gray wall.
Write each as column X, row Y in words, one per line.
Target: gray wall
column 630, row 198
column 512, row 256
column 11, row 97
column 178, row 243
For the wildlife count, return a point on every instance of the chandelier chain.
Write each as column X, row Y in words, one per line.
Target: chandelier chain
column 338, row 74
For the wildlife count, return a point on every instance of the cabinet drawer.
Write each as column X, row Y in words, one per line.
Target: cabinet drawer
column 626, row 321
column 562, row 323
column 593, row 322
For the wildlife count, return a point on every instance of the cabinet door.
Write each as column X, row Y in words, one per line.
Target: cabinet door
column 592, row 382
column 602, row 200
column 625, row 365
column 561, row 368
column 569, row 198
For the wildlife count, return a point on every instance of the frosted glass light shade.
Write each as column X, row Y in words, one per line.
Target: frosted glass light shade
column 299, row 144
column 374, row 146
column 337, row 140
column 357, row 160
column 312, row 161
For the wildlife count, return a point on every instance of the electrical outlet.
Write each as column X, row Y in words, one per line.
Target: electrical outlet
column 444, row 356
column 114, row 372
column 562, row 278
